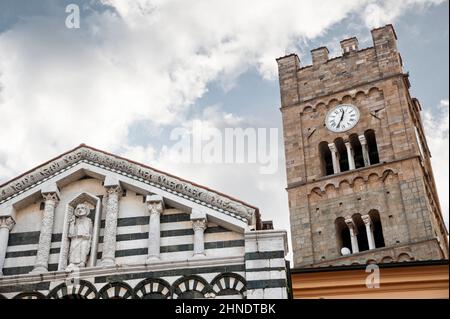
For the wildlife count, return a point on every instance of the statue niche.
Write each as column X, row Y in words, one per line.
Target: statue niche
column 80, row 235
column 79, row 242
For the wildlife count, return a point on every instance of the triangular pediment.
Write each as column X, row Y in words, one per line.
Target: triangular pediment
column 87, row 162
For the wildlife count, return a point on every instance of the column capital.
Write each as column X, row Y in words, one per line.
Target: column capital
column 350, row 223
column 199, row 224
column 367, row 220
column 51, row 196
column 155, row 204
column 362, row 139
column 7, row 222
column 113, row 189
column 332, row 147
column 50, row 192
column 112, row 186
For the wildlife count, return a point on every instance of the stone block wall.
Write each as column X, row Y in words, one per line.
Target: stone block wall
column 400, row 187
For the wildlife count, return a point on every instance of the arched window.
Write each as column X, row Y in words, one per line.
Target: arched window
column 357, row 150
column 343, row 234
column 342, row 150
column 377, row 228
column 372, row 146
column 325, row 158
column 363, row 243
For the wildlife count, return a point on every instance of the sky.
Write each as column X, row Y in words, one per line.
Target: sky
column 135, row 71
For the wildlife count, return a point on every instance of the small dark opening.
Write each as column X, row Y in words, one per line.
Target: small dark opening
column 377, row 229
column 372, row 145
column 363, row 243
column 357, row 150
column 325, row 157
column 342, row 150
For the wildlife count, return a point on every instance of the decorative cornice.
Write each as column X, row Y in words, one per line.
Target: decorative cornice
column 83, row 153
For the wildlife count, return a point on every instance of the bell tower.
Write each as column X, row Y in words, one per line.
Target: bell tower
column 359, row 178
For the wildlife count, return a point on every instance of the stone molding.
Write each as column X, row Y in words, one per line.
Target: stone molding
column 128, row 168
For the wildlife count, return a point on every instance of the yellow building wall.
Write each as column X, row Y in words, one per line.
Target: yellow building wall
column 401, row 282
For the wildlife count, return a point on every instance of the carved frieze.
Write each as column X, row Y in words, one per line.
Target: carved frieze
column 130, row 169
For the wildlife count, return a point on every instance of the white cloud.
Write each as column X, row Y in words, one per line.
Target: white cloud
column 378, row 13
column 437, row 131
column 151, row 60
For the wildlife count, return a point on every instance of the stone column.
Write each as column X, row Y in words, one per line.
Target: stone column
column 369, row 230
column 155, row 205
column 350, row 155
column 335, row 158
column 353, row 233
column 199, row 224
column 45, row 237
column 365, row 149
column 114, row 192
column 6, row 224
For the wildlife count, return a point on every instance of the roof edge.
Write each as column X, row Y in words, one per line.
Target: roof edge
column 15, row 185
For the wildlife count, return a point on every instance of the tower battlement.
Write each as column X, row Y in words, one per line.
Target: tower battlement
column 329, row 75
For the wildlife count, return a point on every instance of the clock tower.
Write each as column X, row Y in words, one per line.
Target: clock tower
column 359, row 178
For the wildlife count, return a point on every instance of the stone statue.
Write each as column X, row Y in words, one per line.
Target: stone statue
column 80, row 234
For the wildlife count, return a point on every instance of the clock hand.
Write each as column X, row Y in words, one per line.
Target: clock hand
column 342, row 117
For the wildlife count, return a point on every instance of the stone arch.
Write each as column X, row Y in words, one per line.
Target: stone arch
column 321, row 108
column 153, row 288
column 345, row 187
column 307, row 109
column 358, row 184
column 332, row 102
column 389, row 177
column 116, row 290
column 330, row 190
column 374, row 90
column 360, row 95
column 371, row 262
column 81, row 290
column 404, row 257
column 191, row 287
column 29, row 295
column 347, row 99
column 315, row 194
column 387, row 259
column 229, row 285
column 373, row 180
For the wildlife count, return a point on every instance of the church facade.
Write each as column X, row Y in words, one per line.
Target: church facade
column 89, row 224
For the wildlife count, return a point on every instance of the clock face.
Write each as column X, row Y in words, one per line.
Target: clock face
column 341, row 118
